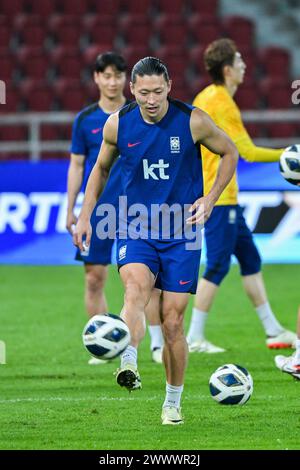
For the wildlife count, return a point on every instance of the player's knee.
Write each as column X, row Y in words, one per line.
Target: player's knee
column 136, row 290
column 95, row 280
column 216, row 272
column 253, row 265
column 172, row 325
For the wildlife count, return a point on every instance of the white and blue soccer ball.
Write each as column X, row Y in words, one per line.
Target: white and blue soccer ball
column 289, row 164
column 106, row 336
column 231, row 385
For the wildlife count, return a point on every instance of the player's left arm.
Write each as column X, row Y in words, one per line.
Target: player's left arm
column 233, row 126
column 205, row 132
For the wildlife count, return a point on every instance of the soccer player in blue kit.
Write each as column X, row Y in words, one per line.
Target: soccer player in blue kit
column 110, row 77
column 158, row 139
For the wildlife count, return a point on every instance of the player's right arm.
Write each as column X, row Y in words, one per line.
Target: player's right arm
column 75, row 178
column 97, row 180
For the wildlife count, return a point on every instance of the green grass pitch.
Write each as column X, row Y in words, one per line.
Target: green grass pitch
column 50, row 398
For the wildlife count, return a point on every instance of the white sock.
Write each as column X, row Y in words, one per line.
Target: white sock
column 296, row 359
column 157, row 340
column 173, row 395
column 129, row 355
column 197, row 325
column 271, row 326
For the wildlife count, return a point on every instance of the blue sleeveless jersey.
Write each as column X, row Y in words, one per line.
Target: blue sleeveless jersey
column 87, row 136
column 160, row 163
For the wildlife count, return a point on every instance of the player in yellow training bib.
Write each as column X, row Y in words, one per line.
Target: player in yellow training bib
column 226, row 231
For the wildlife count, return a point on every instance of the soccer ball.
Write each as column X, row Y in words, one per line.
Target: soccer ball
column 289, row 164
column 106, row 336
column 231, row 385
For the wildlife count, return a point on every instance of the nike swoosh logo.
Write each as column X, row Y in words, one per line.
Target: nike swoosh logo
column 95, row 131
column 182, row 283
column 133, row 145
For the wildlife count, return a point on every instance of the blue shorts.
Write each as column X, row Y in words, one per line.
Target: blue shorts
column 226, row 233
column 176, row 269
column 100, row 251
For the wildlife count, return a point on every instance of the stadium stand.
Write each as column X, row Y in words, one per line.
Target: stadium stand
column 49, row 46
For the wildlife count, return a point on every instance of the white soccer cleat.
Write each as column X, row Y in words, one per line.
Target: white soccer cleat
column 129, row 377
column 286, row 339
column 94, row 361
column 204, row 346
column 171, row 415
column 157, row 355
column 286, row 364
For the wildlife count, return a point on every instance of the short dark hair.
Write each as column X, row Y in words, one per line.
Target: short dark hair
column 149, row 66
column 218, row 54
column 110, row 59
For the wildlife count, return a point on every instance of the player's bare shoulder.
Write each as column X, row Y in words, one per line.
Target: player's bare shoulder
column 110, row 130
column 200, row 124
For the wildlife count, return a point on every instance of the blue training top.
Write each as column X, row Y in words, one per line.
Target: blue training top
column 160, row 163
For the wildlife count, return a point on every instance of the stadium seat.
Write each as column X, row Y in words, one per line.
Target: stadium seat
column 33, row 36
column 67, row 61
column 240, row 29
column 205, row 7
column 13, row 133
column 40, row 100
column 102, row 34
column 136, row 6
column 206, row 34
column 174, row 34
column 73, row 99
column 7, row 66
column 12, row 101
column 105, row 7
column 275, row 61
column 254, row 130
column 89, row 22
column 74, row 7
column 197, row 21
column 247, row 97
column 132, row 54
column 195, row 57
column 5, row 36
column 12, row 7
column 279, row 97
column 33, row 62
column 196, row 85
column 43, row 8
column 172, row 6
column 50, row 132
column 282, row 130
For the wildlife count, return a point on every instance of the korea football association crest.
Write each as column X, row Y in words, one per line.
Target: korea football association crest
column 175, row 144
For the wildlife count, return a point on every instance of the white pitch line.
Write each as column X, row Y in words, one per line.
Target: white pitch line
column 69, row 399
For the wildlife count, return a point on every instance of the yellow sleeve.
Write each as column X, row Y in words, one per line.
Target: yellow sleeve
column 231, row 123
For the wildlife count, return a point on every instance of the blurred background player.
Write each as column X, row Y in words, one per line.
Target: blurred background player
column 226, row 232
column 110, row 77
column 291, row 364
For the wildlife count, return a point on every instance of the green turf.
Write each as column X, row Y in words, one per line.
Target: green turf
column 51, row 399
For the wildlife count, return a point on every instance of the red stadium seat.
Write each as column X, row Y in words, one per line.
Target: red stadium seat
column 74, row 7
column 7, row 66
column 33, row 36
column 279, row 97
column 12, row 7
column 33, row 62
column 67, row 61
column 275, row 61
column 205, row 7
column 254, row 130
column 247, row 97
column 40, row 100
column 198, row 20
column 103, row 34
column 12, row 101
column 90, row 22
column 207, row 33
column 136, row 6
column 172, row 6
column 43, row 8
column 73, row 99
column 132, row 54
column 5, row 36
column 195, row 56
column 105, row 7
column 174, row 34
column 196, row 85
column 50, row 132
column 240, row 29
column 282, row 130
column 13, row 133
